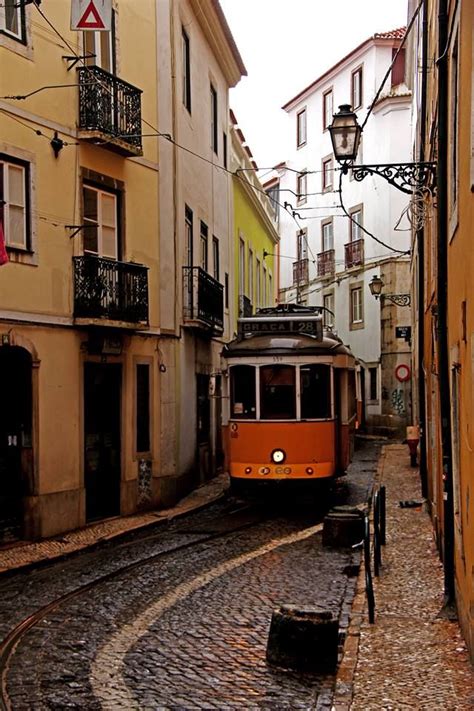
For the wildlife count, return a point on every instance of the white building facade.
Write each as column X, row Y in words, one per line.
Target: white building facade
column 327, row 259
column 197, row 62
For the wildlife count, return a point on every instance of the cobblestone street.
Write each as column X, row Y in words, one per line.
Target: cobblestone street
column 187, row 625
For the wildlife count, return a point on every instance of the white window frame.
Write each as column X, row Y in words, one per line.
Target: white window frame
column 301, row 128
column 328, row 303
column 302, row 244
column 100, row 222
column 327, row 173
column 357, row 79
column 301, row 187
column 327, row 235
column 328, row 108
column 357, row 307
column 10, row 207
column 20, row 35
column 355, row 224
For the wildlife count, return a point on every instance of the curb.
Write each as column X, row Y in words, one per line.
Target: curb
column 344, row 686
column 108, row 538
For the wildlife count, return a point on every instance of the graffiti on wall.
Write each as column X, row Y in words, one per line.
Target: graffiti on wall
column 398, row 402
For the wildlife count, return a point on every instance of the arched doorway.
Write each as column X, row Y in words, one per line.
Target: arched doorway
column 16, row 454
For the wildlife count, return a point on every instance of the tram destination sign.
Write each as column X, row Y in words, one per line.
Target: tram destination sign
column 282, row 326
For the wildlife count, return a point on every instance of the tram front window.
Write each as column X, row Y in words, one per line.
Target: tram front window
column 243, row 392
column 277, row 392
column 315, row 385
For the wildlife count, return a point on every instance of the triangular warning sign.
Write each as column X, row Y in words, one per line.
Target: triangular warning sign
column 91, row 20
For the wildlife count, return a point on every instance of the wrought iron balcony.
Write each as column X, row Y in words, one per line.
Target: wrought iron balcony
column 245, row 306
column 110, row 290
column 203, row 300
column 109, row 111
column 326, row 263
column 301, row 271
column 354, row 253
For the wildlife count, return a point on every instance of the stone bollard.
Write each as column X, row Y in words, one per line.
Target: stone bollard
column 343, row 527
column 303, row 640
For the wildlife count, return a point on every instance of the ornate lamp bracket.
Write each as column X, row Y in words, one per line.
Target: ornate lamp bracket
column 407, row 177
column 398, row 299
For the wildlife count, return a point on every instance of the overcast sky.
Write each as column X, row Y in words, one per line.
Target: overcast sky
column 286, row 45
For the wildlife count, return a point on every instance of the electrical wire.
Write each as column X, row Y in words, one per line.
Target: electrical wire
column 394, row 59
column 364, row 229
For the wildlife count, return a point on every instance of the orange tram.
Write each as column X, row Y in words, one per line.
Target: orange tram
column 290, row 399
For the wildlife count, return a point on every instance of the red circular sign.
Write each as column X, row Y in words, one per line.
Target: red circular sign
column 402, row 372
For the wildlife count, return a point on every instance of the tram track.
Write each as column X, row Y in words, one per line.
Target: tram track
column 9, row 644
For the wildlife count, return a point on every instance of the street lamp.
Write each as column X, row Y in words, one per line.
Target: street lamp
column 345, row 136
column 376, row 286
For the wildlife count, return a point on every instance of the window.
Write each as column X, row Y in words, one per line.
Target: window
column 264, row 285
column 12, row 19
column 188, row 230
column 214, row 141
column 186, row 69
column 277, row 392
column 373, row 383
column 258, row 277
column 327, row 108
column 327, row 173
column 100, row 220
column 315, row 388
column 224, row 149
column 250, row 273
column 14, row 202
column 102, row 45
column 301, row 188
column 355, row 232
column 302, row 244
column 301, row 128
column 327, row 236
column 398, row 69
column 215, row 257
column 143, row 407
column 243, row 392
column 273, row 193
column 328, row 313
column 203, row 245
column 357, row 311
column 241, row 267
column 356, row 88
column 226, row 290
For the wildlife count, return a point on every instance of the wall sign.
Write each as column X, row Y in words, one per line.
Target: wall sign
column 402, row 373
column 403, row 332
column 91, row 15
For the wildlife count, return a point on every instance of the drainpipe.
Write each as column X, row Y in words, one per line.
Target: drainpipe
column 420, row 239
column 442, row 297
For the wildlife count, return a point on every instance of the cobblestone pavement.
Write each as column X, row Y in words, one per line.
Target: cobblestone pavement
column 410, row 658
column 184, row 631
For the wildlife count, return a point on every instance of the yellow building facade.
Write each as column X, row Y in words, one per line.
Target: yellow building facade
column 256, row 237
column 79, row 296
column 443, row 265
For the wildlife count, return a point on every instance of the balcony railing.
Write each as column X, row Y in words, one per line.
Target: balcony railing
column 326, row 263
column 354, row 253
column 109, row 110
column 111, row 290
column 300, row 271
column 203, row 299
column 245, row 306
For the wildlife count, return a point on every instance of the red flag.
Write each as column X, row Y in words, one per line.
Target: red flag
column 3, row 249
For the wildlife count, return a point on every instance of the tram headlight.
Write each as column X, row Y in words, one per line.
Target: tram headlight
column 278, row 456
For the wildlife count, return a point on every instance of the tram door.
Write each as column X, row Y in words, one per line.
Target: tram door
column 203, row 426
column 15, row 438
column 102, row 451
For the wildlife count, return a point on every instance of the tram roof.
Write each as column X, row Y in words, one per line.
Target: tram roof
column 297, row 344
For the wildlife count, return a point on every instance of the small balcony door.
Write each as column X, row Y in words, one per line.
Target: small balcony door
column 102, row 45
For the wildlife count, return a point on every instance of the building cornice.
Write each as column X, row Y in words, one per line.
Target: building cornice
column 348, row 59
column 213, row 23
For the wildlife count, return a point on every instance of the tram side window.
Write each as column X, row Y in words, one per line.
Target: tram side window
column 352, row 393
column 315, row 385
column 243, row 392
column 277, row 392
